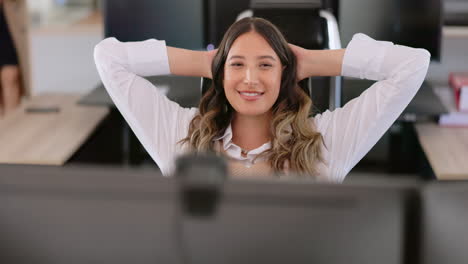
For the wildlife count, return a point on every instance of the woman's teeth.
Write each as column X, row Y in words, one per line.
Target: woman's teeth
column 251, row 94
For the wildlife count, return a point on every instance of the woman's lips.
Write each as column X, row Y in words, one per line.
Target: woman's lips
column 250, row 96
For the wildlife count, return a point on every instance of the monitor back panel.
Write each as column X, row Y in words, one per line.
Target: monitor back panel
column 301, row 224
column 85, row 216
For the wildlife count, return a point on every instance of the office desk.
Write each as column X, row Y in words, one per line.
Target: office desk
column 446, row 149
column 47, row 138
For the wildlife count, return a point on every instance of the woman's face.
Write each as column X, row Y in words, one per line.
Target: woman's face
column 252, row 75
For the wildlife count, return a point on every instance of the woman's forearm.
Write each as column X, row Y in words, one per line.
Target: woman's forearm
column 323, row 62
column 189, row 62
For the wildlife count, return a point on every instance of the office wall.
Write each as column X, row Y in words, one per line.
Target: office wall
column 62, row 60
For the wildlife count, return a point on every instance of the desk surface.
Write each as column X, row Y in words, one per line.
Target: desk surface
column 47, row 138
column 446, row 149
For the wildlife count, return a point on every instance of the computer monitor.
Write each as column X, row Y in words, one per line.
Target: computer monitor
column 85, row 215
column 420, row 25
column 301, row 222
column 444, row 223
column 179, row 22
column 415, row 23
column 114, row 215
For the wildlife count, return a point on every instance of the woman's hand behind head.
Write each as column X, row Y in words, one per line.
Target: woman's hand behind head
column 209, row 61
column 301, row 55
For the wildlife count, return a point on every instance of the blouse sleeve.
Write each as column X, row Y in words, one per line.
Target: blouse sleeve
column 351, row 131
column 156, row 121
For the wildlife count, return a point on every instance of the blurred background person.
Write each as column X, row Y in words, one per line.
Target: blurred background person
column 14, row 50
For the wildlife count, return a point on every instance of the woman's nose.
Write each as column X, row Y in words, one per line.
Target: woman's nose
column 251, row 77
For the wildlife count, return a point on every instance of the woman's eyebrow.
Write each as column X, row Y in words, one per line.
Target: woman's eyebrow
column 258, row 57
column 236, row 57
column 266, row 57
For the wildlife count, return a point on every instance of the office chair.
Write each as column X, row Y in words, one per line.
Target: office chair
column 305, row 24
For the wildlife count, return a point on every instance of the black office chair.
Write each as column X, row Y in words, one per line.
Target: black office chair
column 308, row 25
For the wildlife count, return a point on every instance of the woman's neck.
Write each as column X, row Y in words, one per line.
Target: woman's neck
column 250, row 132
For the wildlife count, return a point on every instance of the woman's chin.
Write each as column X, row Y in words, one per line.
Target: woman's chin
column 251, row 111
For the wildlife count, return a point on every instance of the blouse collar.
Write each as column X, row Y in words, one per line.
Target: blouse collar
column 227, row 142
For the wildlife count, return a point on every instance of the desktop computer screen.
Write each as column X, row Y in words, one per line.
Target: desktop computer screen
column 179, row 22
column 415, row 23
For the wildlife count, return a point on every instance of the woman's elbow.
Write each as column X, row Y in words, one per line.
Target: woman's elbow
column 423, row 57
column 103, row 49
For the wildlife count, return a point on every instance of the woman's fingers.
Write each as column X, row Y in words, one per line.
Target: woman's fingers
column 299, row 52
column 210, row 56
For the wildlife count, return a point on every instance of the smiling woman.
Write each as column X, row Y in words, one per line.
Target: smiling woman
column 260, row 102
column 255, row 113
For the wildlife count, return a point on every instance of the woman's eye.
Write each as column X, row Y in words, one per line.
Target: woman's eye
column 265, row 65
column 236, row 64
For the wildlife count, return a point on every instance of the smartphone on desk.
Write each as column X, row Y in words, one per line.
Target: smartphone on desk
column 42, row 109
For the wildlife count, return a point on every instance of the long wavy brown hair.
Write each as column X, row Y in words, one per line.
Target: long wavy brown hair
column 294, row 137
